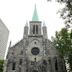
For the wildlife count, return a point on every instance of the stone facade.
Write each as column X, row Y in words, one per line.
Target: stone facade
column 34, row 53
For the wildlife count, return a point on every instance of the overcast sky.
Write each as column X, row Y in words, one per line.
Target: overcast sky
column 15, row 13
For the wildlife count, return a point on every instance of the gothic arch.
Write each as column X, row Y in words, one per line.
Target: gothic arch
column 56, row 63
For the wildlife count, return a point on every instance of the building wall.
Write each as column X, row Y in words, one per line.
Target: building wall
column 4, row 33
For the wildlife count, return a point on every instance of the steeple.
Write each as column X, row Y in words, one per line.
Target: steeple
column 44, row 31
column 35, row 24
column 25, row 30
column 35, row 15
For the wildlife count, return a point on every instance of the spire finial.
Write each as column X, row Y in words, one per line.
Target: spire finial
column 44, row 23
column 35, row 15
column 26, row 23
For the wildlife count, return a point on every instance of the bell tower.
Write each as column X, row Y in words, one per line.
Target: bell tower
column 35, row 24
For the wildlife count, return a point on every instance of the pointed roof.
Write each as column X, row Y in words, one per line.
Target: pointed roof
column 44, row 23
column 35, row 15
column 26, row 23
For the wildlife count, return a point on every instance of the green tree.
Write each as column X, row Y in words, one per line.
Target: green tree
column 70, row 52
column 1, row 65
column 63, row 42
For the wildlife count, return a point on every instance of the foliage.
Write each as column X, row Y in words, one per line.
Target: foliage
column 1, row 65
column 63, row 42
column 70, row 61
column 66, row 12
column 70, row 52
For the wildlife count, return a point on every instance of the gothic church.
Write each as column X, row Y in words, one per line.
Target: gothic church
column 35, row 52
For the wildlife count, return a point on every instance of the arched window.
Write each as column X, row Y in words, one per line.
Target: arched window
column 50, row 63
column 44, row 62
column 36, row 29
column 19, row 69
column 56, row 64
column 20, row 62
column 21, row 52
column 33, row 29
column 13, row 65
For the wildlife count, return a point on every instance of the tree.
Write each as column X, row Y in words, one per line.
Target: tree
column 63, row 42
column 1, row 65
column 66, row 12
column 70, row 53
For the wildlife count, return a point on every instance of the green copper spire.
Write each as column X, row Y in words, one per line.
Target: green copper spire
column 35, row 15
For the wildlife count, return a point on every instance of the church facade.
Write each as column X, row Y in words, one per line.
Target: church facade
column 35, row 52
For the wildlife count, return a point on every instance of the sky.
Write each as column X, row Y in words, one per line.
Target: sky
column 15, row 14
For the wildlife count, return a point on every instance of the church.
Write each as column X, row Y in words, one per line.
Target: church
column 34, row 52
